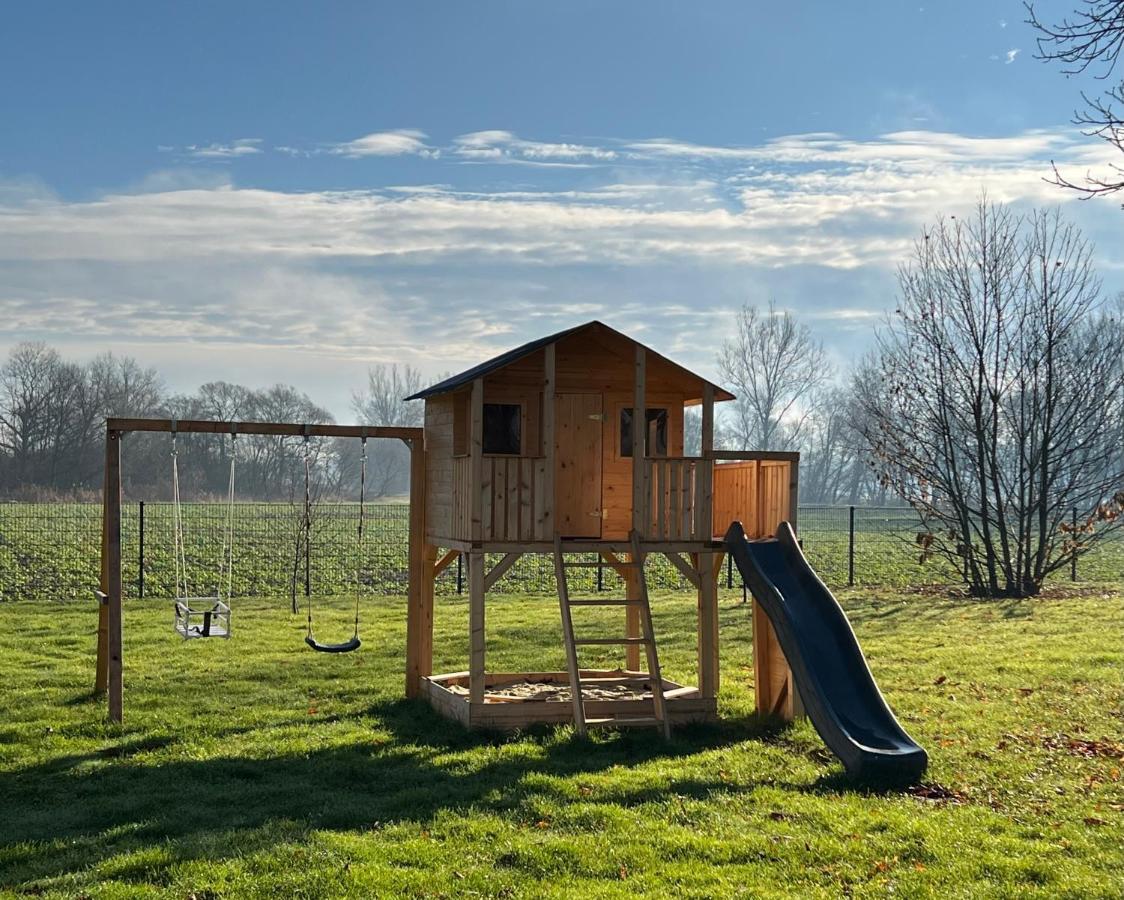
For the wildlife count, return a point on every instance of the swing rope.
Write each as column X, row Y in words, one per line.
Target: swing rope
column 354, row 643
column 179, row 550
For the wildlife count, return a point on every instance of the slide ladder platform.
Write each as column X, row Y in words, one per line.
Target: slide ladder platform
column 832, row 677
column 647, row 640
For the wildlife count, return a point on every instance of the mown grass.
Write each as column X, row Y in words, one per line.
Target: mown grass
column 257, row 768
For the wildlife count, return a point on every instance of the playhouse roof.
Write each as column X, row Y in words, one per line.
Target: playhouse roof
column 505, row 359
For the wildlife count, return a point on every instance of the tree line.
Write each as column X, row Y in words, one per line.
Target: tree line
column 52, row 432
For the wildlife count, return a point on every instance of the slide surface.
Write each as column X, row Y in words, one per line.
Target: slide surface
column 832, row 676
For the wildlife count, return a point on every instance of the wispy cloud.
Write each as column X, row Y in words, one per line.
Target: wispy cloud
column 240, row 147
column 820, row 220
column 1011, row 54
column 399, row 142
column 503, row 146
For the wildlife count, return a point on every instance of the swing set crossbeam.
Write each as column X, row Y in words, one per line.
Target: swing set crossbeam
column 283, row 429
column 109, row 673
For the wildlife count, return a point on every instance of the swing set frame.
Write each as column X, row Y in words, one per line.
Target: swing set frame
column 109, row 675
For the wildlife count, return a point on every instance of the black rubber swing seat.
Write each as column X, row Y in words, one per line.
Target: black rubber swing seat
column 346, row 647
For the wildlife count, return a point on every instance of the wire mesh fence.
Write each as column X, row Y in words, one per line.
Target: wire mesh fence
column 52, row 552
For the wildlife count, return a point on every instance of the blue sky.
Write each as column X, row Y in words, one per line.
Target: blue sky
column 289, row 191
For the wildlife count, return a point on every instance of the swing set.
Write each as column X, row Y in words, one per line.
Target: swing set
column 203, row 616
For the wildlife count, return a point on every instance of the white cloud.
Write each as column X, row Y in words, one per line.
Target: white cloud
column 1011, row 54
column 399, row 142
column 818, row 220
column 240, row 147
column 503, row 146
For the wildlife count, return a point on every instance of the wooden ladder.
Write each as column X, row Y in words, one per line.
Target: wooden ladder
column 647, row 640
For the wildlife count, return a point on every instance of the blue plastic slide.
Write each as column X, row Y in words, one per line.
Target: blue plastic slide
column 834, row 681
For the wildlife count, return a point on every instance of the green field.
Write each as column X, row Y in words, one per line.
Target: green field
column 51, row 551
column 256, row 768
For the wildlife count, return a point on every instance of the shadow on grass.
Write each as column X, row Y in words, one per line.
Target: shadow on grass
column 103, row 803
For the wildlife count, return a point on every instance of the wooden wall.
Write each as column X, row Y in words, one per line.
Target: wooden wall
column 439, row 466
column 590, row 362
column 754, row 492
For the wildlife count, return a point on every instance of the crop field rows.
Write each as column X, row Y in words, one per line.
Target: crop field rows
column 51, row 552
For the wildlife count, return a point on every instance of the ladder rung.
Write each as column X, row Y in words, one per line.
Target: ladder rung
column 605, row 602
column 639, row 640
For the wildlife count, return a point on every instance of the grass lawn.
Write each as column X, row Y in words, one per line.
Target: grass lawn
column 255, row 767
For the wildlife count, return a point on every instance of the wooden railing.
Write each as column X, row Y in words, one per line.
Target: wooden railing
column 513, row 502
column 678, row 499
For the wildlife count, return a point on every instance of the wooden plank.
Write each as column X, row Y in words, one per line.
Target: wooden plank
column 632, row 623
column 659, row 707
column 526, row 530
column 673, row 502
column 476, row 453
column 476, row 593
column 568, row 637
column 422, row 557
column 688, row 498
column 101, row 670
column 793, row 491
column 445, row 561
column 499, row 499
column 511, row 531
column 548, row 437
column 639, row 441
column 707, row 626
column 684, row 568
column 500, row 569
column 544, row 501
column 757, row 455
column 289, row 429
column 113, row 582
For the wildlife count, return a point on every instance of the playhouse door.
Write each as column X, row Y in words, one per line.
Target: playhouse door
column 577, row 460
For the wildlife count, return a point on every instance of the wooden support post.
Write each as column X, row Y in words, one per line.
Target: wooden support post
column 101, row 673
column 549, row 389
column 707, row 625
column 793, row 491
column 422, row 568
column 774, row 685
column 476, row 452
column 112, row 501
column 705, row 480
column 640, row 489
column 476, row 627
column 632, row 623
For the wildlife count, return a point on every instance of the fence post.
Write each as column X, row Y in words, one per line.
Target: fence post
column 140, row 550
column 729, row 571
column 600, row 574
column 1073, row 541
column 851, row 548
column 460, row 573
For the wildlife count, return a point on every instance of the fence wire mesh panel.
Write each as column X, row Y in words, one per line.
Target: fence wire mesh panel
column 51, row 551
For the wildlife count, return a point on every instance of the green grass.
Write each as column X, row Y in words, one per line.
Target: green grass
column 257, row 768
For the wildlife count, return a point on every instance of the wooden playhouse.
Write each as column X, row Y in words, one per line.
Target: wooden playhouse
column 534, row 452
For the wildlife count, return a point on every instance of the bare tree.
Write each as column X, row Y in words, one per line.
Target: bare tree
column 774, row 367
column 995, row 414
column 1092, row 37
column 383, row 403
